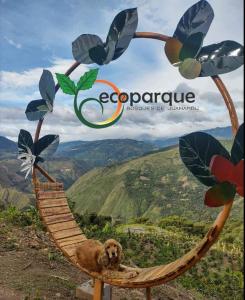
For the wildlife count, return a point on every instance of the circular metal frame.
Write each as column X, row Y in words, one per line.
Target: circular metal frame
column 162, row 274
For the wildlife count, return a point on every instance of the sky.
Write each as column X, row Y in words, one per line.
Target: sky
column 37, row 35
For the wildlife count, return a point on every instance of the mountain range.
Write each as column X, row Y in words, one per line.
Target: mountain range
column 75, row 161
column 110, row 150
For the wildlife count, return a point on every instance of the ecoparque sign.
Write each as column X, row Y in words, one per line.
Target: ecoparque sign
column 87, row 81
column 147, row 97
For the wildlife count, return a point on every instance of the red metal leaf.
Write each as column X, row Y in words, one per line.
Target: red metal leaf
column 238, row 177
column 220, row 194
column 222, row 168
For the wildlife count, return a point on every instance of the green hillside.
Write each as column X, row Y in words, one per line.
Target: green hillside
column 72, row 160
column 65, row 170
column 152, row 186
column 8, row 148
column 10, row 196
column 11, row 177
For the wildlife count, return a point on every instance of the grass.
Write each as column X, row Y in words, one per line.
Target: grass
column 218, row 276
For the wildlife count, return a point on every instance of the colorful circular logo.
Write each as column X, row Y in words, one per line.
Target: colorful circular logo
column 108, row 122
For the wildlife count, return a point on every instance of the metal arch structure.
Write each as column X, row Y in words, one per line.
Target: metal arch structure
column 67, row 235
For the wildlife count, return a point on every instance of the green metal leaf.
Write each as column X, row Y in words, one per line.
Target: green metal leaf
column 196, row 151
column 220, row 58
column 237, row 151
column 66, row 84
column 87, row 80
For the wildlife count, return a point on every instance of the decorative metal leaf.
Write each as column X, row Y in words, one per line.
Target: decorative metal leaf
column 89, row 48
column 29, row 152
column 192, row 46
column 28, row 161
column 25, row 141
column 110, row 47
column 222, row 169
column 172, row 50
column 225, row 171
column 196, row 151
column 190, row 68
column 47, row 86
column 122, row 30
column 36, row 110
column 46, row 146
column 237, row 151
column 197, row 19
column 98, row 54
column 220, row 194
column 220, row 58
column 239, row 177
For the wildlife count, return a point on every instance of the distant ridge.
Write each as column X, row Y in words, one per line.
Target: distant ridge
column 8, row 148
column 223, row 133
column 110, row 148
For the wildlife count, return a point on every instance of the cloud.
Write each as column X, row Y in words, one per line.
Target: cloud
column 22, row 87
column 212, row 97
column 143, row 67
column 13, row 43
column 31, row 77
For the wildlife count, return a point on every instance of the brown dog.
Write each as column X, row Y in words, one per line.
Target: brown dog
column 103, row 258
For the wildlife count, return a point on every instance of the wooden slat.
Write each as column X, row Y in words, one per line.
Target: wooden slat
column 54, row 186
column 51, row 195
column 72, row 240
column 68, row 236
column 52, row 202
column 62, row 226
column 52, row 211
column 70, row 250
column 58, row 218
column 73, row 259
column 66, row 233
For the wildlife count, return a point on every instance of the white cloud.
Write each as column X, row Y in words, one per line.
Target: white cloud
column 13, row 43
column 21, row 87
column 135, row 71
column 31, row 77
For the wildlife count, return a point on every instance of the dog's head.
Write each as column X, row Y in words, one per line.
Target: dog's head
column 113, row 249
column 112, row 254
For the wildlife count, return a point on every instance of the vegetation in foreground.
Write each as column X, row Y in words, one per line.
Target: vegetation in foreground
column 218, row 276
column 33, row 269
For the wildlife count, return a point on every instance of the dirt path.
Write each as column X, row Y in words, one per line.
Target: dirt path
column 6, row 294
column 32, row 268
